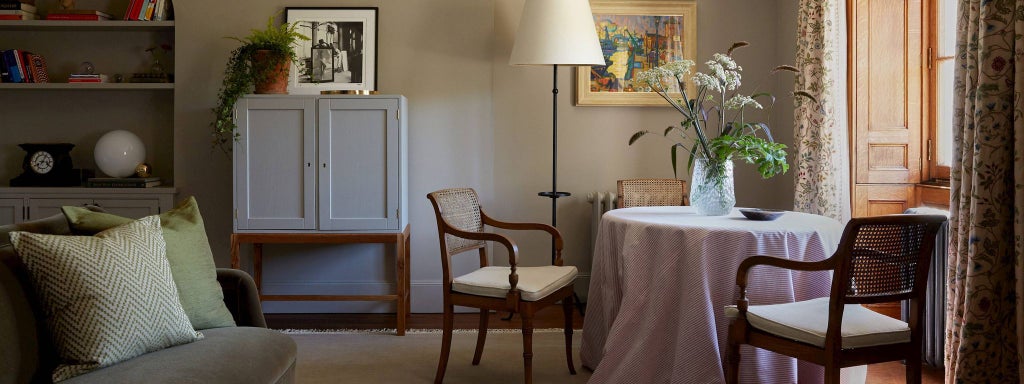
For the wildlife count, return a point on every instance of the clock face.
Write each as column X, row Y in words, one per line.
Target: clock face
column 41, row 162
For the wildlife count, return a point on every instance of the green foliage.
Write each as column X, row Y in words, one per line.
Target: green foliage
column 242, row 72
column 717, row 104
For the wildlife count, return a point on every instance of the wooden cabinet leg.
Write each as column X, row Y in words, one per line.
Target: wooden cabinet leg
column 401, row 282
column 257, row 266
column 234, row 252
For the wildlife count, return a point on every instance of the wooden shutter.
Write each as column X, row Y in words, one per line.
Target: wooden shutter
column 886, row 58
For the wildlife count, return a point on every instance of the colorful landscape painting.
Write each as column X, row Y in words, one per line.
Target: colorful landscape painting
column 633, row 43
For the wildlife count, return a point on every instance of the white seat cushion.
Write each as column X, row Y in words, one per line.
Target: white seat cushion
column 807, row 321
column 535, row 283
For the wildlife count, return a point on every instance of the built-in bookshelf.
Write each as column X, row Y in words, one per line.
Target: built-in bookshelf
column 79, row 113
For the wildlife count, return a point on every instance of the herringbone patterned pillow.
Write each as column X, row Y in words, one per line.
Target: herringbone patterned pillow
column 107, row 298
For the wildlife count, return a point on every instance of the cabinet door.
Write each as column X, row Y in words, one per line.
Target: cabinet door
column 43, row 208
column 11, row 211
column 133, row 208
column 358, row 164
column 274, row 159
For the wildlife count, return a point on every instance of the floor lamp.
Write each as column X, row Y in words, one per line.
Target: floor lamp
column 556, row 32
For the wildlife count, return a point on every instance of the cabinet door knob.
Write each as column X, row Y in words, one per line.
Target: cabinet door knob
column 325, row 165
column 309, row 165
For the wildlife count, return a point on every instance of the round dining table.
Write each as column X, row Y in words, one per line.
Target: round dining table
column 662, row 276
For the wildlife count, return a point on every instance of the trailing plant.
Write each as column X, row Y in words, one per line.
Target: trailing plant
column 243, row 72
column 717, row 95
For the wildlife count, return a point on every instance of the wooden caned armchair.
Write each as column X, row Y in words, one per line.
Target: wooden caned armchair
column 880, row 259
column 517, row 289
column 652, row 192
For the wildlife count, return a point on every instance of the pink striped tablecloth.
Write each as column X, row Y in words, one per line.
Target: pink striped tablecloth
column 661, row 277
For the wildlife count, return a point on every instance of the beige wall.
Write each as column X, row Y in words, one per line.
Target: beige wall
column 473, row 121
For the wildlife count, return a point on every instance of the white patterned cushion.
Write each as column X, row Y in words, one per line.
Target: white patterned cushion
column 535, row 283
column 807, row 321
column 107, row 298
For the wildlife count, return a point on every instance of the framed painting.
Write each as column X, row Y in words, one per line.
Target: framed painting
column 636, row 36
column 341, row 53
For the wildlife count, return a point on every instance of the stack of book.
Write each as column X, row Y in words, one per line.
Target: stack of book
column 18, row 10
column 148, row 10
column 87, row 78
column 78, row 14
column 17, row 66
column 122, row 182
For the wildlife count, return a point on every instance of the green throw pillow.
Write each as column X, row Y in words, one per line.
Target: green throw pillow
column 188, row 251
column 106, row 298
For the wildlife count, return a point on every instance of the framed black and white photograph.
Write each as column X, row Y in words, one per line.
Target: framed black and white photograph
column 341, row 53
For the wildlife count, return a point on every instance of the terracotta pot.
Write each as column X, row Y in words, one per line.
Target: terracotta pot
column 277, row 82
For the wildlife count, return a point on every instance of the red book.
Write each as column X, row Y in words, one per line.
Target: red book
column 133, row 10
column 73, row 16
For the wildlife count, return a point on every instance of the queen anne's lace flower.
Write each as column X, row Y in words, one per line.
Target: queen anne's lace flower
column 740, row 101
column 703, row 80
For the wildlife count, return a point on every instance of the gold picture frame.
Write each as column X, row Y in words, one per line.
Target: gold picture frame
column 667, row 32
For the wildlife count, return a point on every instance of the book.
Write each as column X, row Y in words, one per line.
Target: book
column 17, row 6
column 73, row 16
column 30, row 16
column 26, row 67
column 123, row 182
column 150, row 7
column 142, row 10
column 133, row 10
column 77, row 78
column 37, row 66
column 160, row 13
column 13, row 65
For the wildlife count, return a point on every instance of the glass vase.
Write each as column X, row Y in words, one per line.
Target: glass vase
column 712, row 192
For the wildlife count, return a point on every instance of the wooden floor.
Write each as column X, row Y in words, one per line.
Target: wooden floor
column 551, row 317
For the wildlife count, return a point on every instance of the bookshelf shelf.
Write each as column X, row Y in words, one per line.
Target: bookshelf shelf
column 101, row 25
column 88, row 86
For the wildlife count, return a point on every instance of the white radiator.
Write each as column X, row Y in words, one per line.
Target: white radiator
column 600, row 202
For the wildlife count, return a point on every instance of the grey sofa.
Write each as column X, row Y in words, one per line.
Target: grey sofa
column 249, row 353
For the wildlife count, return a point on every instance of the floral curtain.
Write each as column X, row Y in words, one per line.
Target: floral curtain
column 821, row 142
column 984, row 330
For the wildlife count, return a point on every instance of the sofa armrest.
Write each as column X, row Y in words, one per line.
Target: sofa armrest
column 241, row 297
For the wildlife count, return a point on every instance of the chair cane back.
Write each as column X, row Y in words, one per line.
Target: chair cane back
column 652, row 192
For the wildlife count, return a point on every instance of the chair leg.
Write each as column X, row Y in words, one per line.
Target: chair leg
column 913, row 365
column 481, row 336
column 527, row 347
column 832, row 374
column 446, row 343
column 567, row 312
column 732, row 359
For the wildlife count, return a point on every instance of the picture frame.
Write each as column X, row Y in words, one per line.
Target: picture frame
column 341, row 53
column 636, row 36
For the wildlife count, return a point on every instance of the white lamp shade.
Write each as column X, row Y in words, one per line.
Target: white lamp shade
column 117, row 153
column 556, row 32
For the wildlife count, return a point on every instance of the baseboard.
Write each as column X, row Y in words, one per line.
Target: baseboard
column 426, row 296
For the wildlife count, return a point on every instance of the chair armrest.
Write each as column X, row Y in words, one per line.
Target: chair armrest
column 513, row 251
column 750, row 262
column 556, row 236
column 241, row 297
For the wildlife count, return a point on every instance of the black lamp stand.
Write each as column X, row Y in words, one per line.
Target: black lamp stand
column 554, row 194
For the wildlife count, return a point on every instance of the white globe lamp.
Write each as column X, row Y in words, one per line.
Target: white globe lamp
column 118, row 152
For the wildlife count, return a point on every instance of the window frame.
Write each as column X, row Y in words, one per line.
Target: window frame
column 933, row 172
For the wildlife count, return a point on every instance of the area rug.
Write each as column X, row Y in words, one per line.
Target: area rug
column 378, row 356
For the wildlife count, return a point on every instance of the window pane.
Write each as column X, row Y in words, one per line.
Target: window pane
column 944, row 113
column 946, row 26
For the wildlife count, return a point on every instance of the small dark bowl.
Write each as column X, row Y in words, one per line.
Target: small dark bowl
column 762, row 214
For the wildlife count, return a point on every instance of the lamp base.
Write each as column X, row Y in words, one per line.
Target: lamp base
column 554, row 195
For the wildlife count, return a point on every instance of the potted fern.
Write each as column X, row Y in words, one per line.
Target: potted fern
column 259, row 65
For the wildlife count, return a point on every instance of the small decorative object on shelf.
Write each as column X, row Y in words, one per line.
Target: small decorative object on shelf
column 144, row 170
column 87, row 75
column 118, row 152
column 47, row 165
column 150, row 78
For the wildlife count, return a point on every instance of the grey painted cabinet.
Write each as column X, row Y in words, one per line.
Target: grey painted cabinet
column 320, row 163
column 19, row 204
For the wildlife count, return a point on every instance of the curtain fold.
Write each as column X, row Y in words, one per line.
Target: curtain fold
column 984, row 336
column 821, row 143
